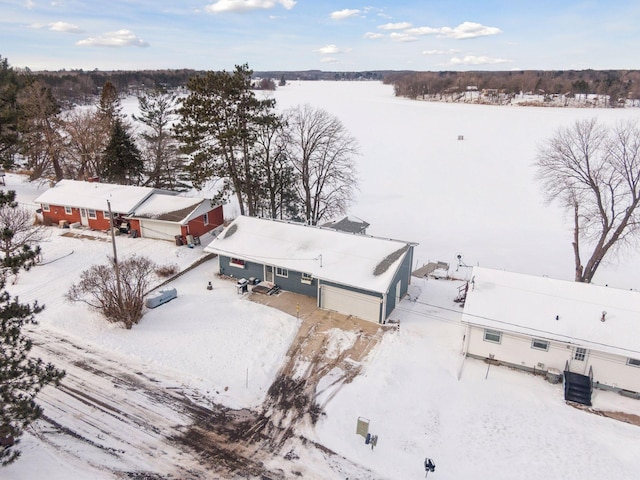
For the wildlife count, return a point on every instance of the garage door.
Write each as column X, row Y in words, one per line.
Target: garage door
column 160, row 230
column 347, row 302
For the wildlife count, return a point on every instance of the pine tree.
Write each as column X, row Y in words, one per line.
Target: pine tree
column 21, row 377
column 122, row 163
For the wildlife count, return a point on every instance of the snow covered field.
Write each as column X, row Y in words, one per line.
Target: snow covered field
column 474, row 197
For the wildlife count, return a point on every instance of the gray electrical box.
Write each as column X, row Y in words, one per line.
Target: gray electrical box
column 160, row 297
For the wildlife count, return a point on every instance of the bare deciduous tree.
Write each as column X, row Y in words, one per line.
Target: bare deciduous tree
column 19, row 236
column 322, row 153
column 594, row 172
column 85, row 139
column 98, row 288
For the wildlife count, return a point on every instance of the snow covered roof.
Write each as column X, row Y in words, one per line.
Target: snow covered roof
column 348, row 224
column 355, row 260
column 94, row 195
column 171, row 208
column 529, row 305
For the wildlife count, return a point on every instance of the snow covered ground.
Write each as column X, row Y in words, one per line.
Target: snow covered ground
column 474, row 197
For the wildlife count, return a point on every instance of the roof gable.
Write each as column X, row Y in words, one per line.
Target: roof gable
column 327, row 254
column 170, row 208
column 530, row 305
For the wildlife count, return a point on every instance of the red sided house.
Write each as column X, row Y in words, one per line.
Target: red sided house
column 152, row 213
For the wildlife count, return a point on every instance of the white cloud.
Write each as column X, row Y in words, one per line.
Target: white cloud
column 395, row 26
column 373, row 35
column 423, row 31
column 65, row 27
column 29, row 4
column 439, row 52
column 331, row 50
column 329, row 60
column 342, row 14
column 120, row 38
column 246, row 5
column 468, row 30
column 476, row 60
column 402, row 37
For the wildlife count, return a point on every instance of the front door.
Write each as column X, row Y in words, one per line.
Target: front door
column 268, row 273
column 83, row 217
column 579, row 360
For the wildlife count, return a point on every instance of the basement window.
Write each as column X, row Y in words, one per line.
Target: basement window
column 493, row 336
column 306, row 278
column 540, row 344
column 634, row 362
column 237, row 262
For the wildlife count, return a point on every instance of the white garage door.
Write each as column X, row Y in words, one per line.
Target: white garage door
column 160, row 230
column 347, row 302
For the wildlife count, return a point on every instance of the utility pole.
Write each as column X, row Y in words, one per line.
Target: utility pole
column 115, row 256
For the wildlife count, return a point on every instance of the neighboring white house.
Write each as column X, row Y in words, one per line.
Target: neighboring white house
column 538, row 323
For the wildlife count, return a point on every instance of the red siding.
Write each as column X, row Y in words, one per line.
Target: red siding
column 196, row 227
column 57, row 213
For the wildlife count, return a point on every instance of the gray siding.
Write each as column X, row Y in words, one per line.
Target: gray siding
column 404, row 276
column 291, row 283
column 250, row 269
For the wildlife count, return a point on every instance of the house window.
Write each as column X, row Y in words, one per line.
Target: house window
column 492, row 336
column 92, row 214
column 307, row 278
column 45, row 207
column 282, row 272
column 633, row 361
column 205, row 218
column 540, row 344
column 105, row 215
column 236, row 262
column 579, row 354
column 68, row 210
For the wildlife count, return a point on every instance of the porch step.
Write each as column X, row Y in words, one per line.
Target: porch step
column 577, row 388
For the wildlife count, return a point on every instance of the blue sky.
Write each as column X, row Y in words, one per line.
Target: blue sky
column 326, row 35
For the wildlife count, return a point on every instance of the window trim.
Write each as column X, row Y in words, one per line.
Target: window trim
column 68, row 210
column 205, row 218
column 540, row 341
column 46, row 207
column 306, row 278
column 633, row 362
column 92, row 214
column 580, row 354
column 282, row 272
column 237, row 262
column 489, row 332
column 105, row 215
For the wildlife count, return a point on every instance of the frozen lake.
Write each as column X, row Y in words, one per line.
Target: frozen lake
column 476, row 197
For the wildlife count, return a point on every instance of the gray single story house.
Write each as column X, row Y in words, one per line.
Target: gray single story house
column 352, row 274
